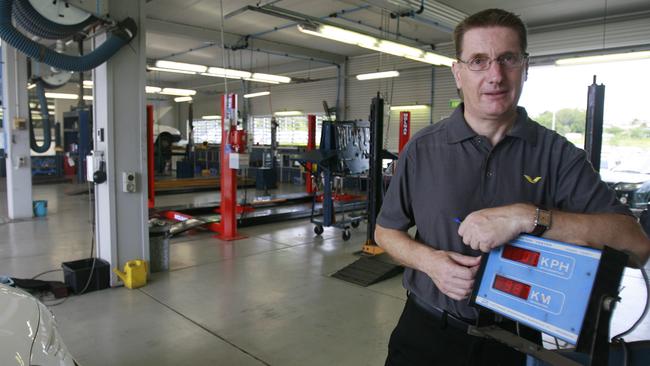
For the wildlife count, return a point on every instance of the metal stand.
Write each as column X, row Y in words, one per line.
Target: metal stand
column 594, row 124
column 335, row 146
column 379, row 265
column 592, row 348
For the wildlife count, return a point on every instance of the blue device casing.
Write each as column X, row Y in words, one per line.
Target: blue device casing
column 558, row 287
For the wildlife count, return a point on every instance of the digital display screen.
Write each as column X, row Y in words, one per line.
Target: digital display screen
column 521, row 255
column 511, row 287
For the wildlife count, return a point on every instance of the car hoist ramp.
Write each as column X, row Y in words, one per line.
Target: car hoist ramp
column 366, row 271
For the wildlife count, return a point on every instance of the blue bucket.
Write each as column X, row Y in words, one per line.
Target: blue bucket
column 40, row 208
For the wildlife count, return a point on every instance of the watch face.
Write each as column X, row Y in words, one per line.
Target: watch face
column 544, row 218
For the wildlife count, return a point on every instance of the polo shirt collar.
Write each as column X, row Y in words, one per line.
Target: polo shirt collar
column 524, row 128
column 458, row 130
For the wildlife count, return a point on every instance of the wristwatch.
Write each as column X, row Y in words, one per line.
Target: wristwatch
column 542, row 222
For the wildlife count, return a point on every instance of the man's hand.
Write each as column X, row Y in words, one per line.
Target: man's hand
column 453, row 273
column 488, row 228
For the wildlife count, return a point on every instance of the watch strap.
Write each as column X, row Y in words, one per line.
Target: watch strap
column 542, row 222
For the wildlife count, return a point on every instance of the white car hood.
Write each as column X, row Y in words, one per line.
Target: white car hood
column 19, row 320
column 623, row 177
column 28, row 334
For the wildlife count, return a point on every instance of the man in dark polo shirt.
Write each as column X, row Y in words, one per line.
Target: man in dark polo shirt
column 504, row 175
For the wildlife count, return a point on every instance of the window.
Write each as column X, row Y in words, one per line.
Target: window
column 261, row 127
column 292, row 131
column 208, row 130
column 556, row 96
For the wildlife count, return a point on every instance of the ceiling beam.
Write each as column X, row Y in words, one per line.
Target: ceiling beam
column 213, row 36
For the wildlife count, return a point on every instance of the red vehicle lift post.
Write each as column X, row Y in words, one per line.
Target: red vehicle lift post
column 228, row 178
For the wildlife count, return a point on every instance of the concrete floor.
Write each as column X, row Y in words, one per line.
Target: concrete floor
column 264, row 300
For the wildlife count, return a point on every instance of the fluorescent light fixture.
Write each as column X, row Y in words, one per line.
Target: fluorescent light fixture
column 408, row 107
column 219, row 76
column 376, row 44
column 603, row 58
column 435, row 59
column 34, row 105
column 288, row 113
column 262, row 81
column 378, row 75
column 153, row 68
column 152, row 89
column 229, row 73
column 398, row 49
column 260, row 94
column 147, row 89
column 182, row 99
column 268, row 77
column 211, row 117
column 31, row 86
column 339, row 34
column 163, row 64
column 178, row 92
column 193, row 69
column 66, row 96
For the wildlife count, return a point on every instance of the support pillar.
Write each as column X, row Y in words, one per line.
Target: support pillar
column 120, row 134
column 16, row 127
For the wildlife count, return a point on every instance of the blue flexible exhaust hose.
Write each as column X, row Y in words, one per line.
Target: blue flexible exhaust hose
column 124, row 32
column 45, row 118
column 29, row 19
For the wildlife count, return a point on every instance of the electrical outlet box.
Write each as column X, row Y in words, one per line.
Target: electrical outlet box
column 21, row 162
column 129, row 182
column 20, row 123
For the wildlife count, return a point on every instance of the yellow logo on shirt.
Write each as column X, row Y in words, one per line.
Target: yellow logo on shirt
column 532, row 180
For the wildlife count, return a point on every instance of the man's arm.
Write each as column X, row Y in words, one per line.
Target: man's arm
column 489, row 228
column 452, row 273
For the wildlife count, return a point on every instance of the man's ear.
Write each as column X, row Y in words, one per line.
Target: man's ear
column 455, row 69
column 526, row 72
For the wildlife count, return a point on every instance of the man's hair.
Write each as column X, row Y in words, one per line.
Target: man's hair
column 490, row 18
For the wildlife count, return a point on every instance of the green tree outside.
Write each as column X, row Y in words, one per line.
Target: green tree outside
column 572, row 120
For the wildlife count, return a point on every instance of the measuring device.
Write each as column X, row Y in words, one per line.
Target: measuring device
column 561, row 289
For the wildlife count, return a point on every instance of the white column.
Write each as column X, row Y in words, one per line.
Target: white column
column 15, row 105
column 119, row 115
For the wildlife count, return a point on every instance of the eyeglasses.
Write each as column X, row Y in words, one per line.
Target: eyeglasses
column 507, row 60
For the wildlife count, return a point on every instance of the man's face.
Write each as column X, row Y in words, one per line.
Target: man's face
column 493, row 93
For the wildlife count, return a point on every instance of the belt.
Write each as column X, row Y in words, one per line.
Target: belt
column 445, row 317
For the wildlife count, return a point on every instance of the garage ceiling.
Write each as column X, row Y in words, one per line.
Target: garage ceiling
column 190, row 31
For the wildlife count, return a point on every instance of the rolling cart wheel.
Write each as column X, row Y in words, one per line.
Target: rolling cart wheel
column 346, row 235
column 318, row 229
column 355, row 224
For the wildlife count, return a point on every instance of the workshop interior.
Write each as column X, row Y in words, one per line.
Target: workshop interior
column 198, row 182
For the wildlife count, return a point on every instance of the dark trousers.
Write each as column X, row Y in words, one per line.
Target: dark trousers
column 421, row 338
